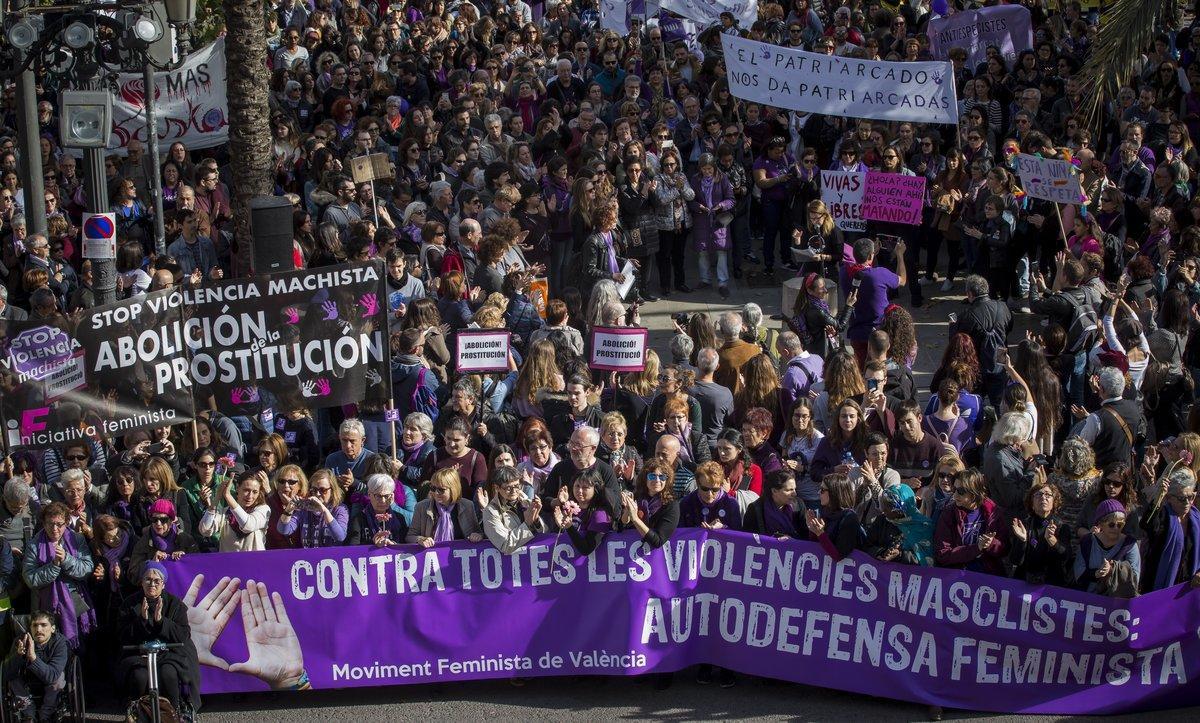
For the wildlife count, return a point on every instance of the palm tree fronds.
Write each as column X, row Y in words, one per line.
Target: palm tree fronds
column 1127, row 29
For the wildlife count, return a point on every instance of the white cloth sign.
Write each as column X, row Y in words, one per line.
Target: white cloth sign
column 618, row 349
column 481, row 351
column 1050, row 180
column 833, row 85
column 614, row 16
column 842, row 194
column 189, row 103
column 709, row 12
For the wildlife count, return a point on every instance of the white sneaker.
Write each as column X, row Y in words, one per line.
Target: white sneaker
column 947, row 285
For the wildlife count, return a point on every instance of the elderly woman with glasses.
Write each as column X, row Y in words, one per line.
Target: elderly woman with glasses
column 162, row 540
column 290, row 486
column 155, row 614
column 971, row 533
column 710, row 506
column 510, row 519
column 318, row 519
column 1172, row 527
column 379, row 522
column 1040, row 549
column 446, row 515
column 1108, row 562
column 57, row 565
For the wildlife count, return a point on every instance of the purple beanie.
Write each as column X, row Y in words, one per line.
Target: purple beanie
column 1106, row 508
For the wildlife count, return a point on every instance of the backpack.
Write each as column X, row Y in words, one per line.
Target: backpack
column 1084, row 325
column 422, row 399
column 992, row 341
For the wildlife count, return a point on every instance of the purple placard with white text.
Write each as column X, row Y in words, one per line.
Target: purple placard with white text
column 758, row 605
column 893, row 197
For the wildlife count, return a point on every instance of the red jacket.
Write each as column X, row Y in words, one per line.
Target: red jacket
column 949, row 550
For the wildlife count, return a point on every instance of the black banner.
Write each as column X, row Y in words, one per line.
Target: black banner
column 100, row 374
column 299, row 339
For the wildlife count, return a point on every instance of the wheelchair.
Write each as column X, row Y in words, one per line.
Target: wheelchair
column 72, row 706
column 147, row 707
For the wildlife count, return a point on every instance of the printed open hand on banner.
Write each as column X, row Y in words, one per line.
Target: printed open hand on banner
column 323, row 387
column 373, row 377
column 330, row 309
column 274, row 653
column 370, row 305
column 292, row 314
column 207, row 618
column 308, row 388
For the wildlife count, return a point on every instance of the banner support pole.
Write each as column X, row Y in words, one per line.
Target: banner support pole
column 392, row 429
column 195, row 436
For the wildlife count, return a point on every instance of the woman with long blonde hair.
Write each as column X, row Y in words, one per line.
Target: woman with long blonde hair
column 539, row 374
column 843, row 381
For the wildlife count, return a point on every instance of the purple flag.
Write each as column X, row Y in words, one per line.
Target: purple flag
column 358, row 616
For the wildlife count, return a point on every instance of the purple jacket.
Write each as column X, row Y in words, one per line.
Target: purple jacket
column 799, row 375
column 710, row 235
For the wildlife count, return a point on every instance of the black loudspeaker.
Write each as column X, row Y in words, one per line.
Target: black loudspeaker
column 271, row 227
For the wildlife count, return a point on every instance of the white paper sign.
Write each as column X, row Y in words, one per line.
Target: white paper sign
column 1049, row 180
column 618, row 349
column 834, row 85
column 630, row 274
column 842, row 194
column 481, row 351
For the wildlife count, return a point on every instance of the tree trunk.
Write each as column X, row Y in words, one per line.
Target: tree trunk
column 249, row 118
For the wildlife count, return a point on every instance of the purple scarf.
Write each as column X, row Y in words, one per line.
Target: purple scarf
column 113, row 555
column 122, row 511
column 1172, row 554
column 444, row 530
column 684, row 435
column 648, row 507
column 56, row 597
column 778, row 520
column 167, row 543
column 410, row 453
column 612, row 254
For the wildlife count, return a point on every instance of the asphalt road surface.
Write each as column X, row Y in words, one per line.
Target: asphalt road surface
column 592, row 699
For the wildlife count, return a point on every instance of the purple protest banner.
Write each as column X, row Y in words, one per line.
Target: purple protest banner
column 1006, row 27
column 359, row 616
column 893, row 197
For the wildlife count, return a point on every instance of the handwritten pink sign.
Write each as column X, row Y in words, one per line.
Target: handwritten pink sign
column 894, row 198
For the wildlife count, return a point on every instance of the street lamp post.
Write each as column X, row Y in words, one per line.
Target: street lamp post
column 86, row 45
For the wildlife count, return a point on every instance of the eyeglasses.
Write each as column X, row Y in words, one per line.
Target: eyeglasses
column 152, row 581
column 439, row 490
column 206, row 465
column 655, row 477
column 809, row 161
column 963, row 491
column 289, row 482
column 510, row 487
column 1115, row 524
column 709, row 490
column 161, row 519
column 74, row 457
column 1185, row 498
column 974, row 138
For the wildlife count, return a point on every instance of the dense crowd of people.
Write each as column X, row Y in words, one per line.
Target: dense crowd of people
column 539, row 160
